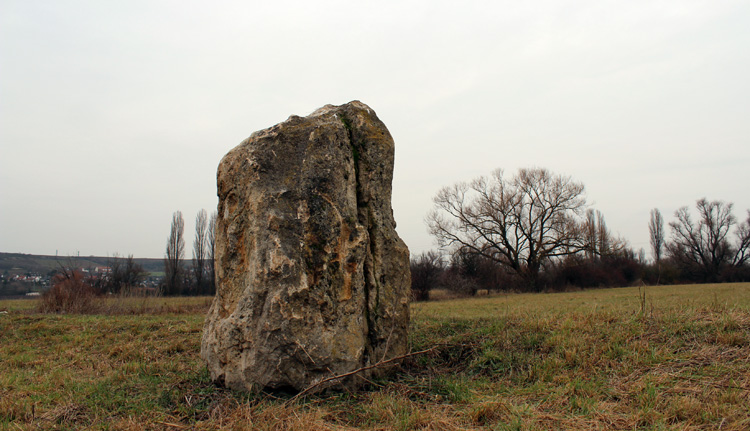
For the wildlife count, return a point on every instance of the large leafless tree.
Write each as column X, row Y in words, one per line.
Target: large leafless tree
column 173, row 273
column 707, row 243
column 521, row 222
column 200, row 251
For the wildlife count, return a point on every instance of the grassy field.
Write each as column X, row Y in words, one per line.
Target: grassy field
column 674, row 357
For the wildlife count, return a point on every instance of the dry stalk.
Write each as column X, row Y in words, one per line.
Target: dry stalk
column 327, row 380
column 172, row 425
column 714, row 384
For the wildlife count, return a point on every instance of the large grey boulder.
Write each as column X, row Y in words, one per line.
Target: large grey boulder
column 312, row 279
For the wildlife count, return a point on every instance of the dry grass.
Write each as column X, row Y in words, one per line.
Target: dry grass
column 580, row 360
column 132, row 304
column 136, row 304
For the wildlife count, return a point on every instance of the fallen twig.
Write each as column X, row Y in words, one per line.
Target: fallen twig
column 383, row 363
column 716, row 385
column 172, row 425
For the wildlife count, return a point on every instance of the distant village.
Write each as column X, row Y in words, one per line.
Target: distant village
column 33, row 284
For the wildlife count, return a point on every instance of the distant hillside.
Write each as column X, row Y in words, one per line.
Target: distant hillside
column 18, row 263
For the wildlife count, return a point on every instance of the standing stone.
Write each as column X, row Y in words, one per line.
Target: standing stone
column 312, row 279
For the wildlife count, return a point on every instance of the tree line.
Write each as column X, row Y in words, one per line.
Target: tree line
column 715, row 247
column 181, row 277
column 197, row 276
column 74, row 289
column 535, row 231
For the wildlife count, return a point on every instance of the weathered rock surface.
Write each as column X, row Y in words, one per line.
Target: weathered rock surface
column 312, row 278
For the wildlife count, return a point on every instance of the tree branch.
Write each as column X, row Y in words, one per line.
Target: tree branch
column 380, row 364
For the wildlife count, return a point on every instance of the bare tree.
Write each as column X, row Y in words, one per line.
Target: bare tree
column 112, row 278
column 742, row 252
column 705, row 245
column 425, row 273
column 200, row 251
column 656, row 234
column 463, row 274
column 641, row 256
column 134, row 272
column 173, row 274
column 124, row 274
column 599, row 241
column 605, row 244
column 212, row 252
column 521, row 223
column 590, row 234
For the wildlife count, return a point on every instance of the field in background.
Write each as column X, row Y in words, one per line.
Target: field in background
column 675, row 357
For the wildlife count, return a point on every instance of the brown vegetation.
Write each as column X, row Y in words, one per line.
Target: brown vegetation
column 70, row 293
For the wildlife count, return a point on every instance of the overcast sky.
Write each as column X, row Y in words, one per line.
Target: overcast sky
column 115, row 114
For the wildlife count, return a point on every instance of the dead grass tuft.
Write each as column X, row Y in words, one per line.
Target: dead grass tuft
column 67, row 414
column 277, row 417
column 490, row 412
column 15, row 408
